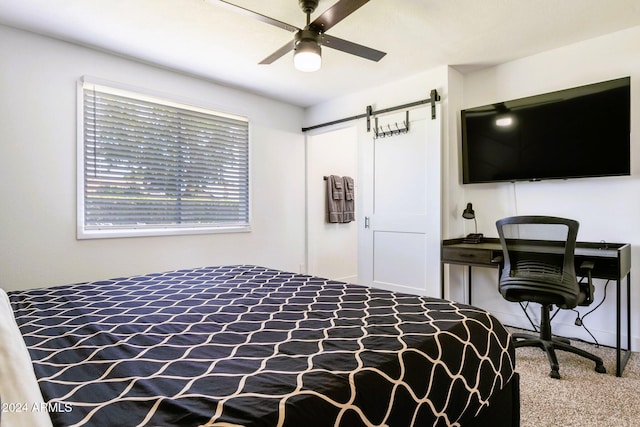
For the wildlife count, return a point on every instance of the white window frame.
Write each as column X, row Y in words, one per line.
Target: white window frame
column 91, row 232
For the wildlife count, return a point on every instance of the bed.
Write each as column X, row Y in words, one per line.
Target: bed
column 247, row 346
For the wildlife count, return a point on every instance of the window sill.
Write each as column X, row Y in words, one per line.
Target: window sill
column 83, row 234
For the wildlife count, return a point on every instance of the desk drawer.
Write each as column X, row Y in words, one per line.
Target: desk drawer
column 466, row 255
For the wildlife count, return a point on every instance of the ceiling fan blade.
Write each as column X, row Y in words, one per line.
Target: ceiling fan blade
column 256, row 15
column 278, row 53
column 352, row 48
column 335, row 14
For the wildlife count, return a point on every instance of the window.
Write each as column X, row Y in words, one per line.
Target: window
column 148, row 166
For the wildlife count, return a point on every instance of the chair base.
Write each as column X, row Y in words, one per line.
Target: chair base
column 549, row 345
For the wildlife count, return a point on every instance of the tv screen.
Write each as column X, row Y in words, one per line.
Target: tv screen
column 573, row 133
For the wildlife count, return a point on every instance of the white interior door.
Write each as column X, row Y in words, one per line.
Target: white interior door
column 399, row 244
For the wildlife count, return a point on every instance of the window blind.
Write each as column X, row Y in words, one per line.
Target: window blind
column 149, row 164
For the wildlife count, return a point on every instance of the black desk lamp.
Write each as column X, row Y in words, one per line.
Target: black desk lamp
column 469, row 213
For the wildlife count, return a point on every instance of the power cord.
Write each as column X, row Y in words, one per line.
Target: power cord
column 604, row 296
column 580, row 320
column 524, row 306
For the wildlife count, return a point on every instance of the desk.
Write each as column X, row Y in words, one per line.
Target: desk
column 612, row 261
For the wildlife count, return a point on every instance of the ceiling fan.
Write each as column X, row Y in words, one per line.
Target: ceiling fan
column 307, row 41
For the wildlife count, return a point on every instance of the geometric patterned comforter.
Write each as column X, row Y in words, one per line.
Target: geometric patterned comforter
column 253, row 346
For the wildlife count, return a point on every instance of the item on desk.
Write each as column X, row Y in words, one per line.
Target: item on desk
column 473, row 238
column 469, row 213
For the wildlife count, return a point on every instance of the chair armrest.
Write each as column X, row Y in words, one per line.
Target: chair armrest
column 499, row 261
column 587, row 288
column 587, row 265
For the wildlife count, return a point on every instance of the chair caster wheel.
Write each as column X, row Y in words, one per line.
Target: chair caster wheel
column 554, row 374
column 601, row 369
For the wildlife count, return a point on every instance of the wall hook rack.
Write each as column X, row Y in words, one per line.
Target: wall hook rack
column 381, row 132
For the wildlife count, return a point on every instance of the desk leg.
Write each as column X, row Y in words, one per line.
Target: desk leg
column 442, row 280
column 628, row 321
column 469, row 284
column 622, row 355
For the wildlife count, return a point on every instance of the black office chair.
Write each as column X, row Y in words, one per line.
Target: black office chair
column 546, row 276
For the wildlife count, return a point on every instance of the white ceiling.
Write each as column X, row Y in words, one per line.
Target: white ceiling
column 202, row 38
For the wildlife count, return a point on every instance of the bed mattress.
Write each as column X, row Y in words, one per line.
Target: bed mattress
column 253, row 346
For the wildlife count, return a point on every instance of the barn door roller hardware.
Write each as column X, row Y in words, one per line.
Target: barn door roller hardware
column 434, row 97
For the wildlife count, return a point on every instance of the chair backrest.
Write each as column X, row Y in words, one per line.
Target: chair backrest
column 539, row 260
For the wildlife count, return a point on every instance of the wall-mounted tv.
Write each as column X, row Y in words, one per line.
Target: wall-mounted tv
column 573, row 133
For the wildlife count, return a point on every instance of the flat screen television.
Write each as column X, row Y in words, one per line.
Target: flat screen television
column 573, row 133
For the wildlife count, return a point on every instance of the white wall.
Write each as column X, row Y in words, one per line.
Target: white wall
column 607, row 208
column 332, row 247
column 38, row 171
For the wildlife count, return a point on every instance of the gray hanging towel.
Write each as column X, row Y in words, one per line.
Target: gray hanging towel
column 349, row 202
column 335, row 199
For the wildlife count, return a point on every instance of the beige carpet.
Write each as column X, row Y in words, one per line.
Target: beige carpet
column 582, row 397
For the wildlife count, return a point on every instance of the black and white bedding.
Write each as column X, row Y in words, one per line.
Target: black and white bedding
column 252, row 346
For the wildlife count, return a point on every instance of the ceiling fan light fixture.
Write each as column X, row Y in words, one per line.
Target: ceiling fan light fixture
column 307, row 60
column 308, row 42
column 307, row 56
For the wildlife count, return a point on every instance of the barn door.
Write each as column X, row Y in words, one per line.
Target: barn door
column 399, row 239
